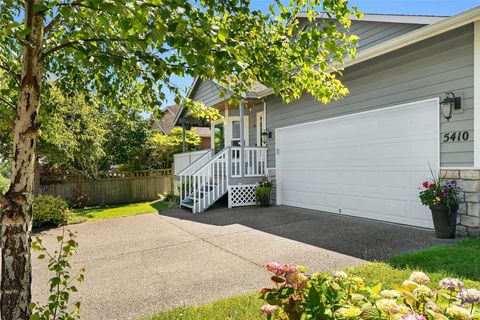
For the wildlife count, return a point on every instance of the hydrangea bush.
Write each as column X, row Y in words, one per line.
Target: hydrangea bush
column 298, row 296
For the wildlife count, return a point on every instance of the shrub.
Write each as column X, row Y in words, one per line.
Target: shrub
column 172, row 198
column 337, row 296
column 50, row 211
column 263, row 191
column 80, row 198
column 62, row 281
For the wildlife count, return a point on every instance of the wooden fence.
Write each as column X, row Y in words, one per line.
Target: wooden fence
column 112, row 187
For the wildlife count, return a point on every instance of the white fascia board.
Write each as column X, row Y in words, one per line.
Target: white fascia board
column 421, row 34
column 476, row 95
column 392, row 18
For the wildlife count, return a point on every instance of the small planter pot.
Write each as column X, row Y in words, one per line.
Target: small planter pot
column 444, row 220
column 264, row 202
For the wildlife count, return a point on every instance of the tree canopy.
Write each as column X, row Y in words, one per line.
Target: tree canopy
column 127, row 50
column 125, row 53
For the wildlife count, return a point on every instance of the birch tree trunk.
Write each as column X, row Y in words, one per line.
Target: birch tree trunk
column 15, row 292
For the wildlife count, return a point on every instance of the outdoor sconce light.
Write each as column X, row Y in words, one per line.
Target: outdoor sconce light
column 267, row 133
column 449, row 104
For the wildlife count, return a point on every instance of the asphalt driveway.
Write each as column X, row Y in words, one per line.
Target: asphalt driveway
column 143, row 264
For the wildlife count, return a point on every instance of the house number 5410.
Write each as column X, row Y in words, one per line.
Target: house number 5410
column 456, row 136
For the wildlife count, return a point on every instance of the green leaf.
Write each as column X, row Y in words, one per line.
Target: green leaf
column 222, row 35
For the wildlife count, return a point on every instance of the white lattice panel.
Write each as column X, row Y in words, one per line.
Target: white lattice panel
column 241, row 195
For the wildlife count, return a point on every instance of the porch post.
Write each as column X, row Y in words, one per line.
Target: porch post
column 242, row 140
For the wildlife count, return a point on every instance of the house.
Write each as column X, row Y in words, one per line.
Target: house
column 366, row 154
column 166, row 123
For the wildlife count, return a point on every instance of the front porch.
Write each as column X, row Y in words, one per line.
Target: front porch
column 235, row 163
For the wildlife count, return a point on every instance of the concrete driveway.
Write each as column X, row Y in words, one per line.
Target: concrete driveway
column 143, row 264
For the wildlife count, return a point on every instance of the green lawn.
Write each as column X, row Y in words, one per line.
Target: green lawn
column 459, row 260
column 122, row 210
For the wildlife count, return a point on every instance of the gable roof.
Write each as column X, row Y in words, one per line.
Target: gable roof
column 167, row 122
column 433, row 25
column 418, row 35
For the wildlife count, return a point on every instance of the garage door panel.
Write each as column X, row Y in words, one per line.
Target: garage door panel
column 368, row 165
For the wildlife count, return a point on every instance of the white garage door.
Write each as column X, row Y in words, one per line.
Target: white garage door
column 369, row 164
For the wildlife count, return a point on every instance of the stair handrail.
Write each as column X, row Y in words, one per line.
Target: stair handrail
column 201, row 179
column 215, row 157
column 195, row 165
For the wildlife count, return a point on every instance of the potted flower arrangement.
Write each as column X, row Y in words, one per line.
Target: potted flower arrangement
column 442, row 197
column 262, row 193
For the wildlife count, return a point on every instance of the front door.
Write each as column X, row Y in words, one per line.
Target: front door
column 233, row 137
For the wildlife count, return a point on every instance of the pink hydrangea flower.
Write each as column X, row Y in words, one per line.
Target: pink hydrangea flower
column 273, row 267
column 412, row 317
column 281, row 269
column 267, row 309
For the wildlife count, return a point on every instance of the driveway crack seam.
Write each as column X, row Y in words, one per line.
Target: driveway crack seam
column 212, row 244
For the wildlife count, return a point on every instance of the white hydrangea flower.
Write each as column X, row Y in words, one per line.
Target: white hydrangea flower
column 390, row 294
column 419, row 277
column 339, row 275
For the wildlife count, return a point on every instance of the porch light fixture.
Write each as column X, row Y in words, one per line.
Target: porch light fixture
column 267, row 133
column 449, row 104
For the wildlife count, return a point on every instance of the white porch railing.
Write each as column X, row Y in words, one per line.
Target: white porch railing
column 207, row 179
column 255, row 161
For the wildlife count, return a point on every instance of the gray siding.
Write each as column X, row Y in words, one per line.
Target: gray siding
column 373, row 33
column 208, row 93
column 424, row 70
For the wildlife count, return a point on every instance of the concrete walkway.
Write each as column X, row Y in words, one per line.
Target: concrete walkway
column 143, row 264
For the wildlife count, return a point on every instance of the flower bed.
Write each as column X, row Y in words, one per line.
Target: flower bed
column 298, row 296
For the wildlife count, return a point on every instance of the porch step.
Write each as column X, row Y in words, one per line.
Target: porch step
column 186, row 205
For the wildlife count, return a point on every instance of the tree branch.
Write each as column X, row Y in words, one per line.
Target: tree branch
column 56, row 19
column 70, row 44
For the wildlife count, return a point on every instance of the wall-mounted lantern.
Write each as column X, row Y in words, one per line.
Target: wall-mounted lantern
column 266, row 134
column 449, row 104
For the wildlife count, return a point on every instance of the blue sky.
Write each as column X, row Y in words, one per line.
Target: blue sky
column 420, row 7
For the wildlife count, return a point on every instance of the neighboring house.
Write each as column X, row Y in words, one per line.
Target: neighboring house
column 367, row 154
column 165, row 125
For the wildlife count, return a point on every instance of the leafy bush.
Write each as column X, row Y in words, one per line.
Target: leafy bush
column 50, row 211
column 4, row 184
column 80, row 198
column 61, row 285
column 297, row 296
column 172, row 198
column 263, row 191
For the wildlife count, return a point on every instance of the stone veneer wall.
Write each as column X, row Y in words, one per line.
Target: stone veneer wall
column 468, row 220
